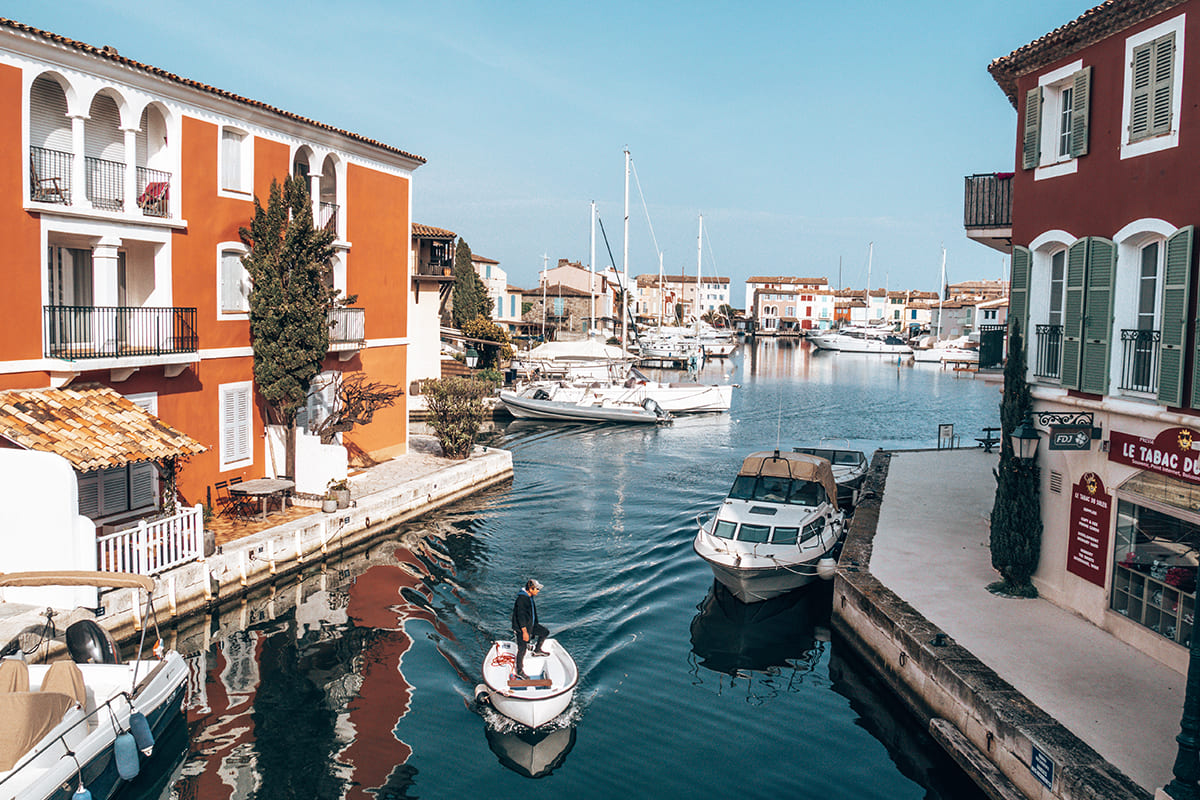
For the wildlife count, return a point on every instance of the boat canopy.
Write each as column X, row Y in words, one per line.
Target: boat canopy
column 796, row 466
column 114, row 580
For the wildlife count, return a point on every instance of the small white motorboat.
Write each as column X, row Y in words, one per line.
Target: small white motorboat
column 541, row 697
column 778, row 528
column 81, row 723
column 537, row 403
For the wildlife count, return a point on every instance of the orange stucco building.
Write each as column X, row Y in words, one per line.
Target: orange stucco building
column 122, row 191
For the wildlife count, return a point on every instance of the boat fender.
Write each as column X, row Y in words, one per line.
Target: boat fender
column 826, row 568
column 142, row 736
column 482, row 696
column 81, row 793
column 125, row 753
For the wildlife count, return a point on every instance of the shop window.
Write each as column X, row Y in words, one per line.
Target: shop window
column 1154, row 573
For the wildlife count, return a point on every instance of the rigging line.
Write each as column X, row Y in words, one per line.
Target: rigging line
column 611, row 261
column 711, row 255
column 645, row 209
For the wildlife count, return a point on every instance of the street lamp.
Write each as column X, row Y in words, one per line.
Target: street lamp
column 1025, row 440
column 472, row 358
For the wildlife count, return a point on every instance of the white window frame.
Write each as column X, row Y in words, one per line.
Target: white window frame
column 222, row 312
column 235, row 459
column 245, row 173
column 1130, row 241
column 1165, row 141
column 1052, row 84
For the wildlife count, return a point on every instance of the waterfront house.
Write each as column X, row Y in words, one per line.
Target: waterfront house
column 122, row 190
column 1099, row 216
column 430, row 267
column 757, row 283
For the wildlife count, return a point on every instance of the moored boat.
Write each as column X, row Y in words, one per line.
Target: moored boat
column 777, row 530
column 677, row 397
column 81, row 723
column 531, row 701
column 536, row 403
column 849, row 470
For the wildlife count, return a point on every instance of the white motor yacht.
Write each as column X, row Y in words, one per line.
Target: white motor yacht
column 777, row 529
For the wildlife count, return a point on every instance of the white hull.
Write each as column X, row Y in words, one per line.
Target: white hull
column 677, row 398
column 940, row 355
column 593, row 410
column 532, row 706
column 89, row 732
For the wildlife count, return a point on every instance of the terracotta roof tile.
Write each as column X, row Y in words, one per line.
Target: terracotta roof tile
column 1088, row 28
column 483, row 259
column 786, row 279
column 91, row 426
column 111, row 54
column 430, row 232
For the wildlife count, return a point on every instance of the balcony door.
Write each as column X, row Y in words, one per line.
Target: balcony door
column 70, row 280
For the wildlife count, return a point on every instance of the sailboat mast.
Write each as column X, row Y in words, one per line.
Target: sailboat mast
column 625, row 264
column 870, row 255
column 941, row 294
column 662, row 289
column 699, row 255
column 592, row 270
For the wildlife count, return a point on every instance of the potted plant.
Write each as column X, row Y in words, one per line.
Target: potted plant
column 328, row 504
column 339, row 490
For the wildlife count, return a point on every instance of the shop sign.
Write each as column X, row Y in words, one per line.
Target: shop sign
column 1173, row 452
column 1070, row 437
column 1087, row 542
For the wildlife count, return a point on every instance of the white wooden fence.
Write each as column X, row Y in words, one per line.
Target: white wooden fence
column 152, row 547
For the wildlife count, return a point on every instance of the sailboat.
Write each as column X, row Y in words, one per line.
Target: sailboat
column 935, row 350
column 866, row 338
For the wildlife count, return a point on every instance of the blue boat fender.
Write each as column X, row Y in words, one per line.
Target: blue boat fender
column 142, row 736
column 125, row 753
column 81, row 793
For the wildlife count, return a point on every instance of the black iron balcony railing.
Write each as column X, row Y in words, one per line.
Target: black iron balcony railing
column 1139, row 360
column 1049, row 351
column 114, row 331
column 154, row 192
column 105, row 183
column 436, row 267
column 50, row 175
column 327, row 217
column 987, row 201
column 347, row 327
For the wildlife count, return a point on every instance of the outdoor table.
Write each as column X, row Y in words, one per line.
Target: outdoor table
column 988, row 440
column 263, row 488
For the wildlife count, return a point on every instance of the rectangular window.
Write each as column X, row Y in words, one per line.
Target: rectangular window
column 754, row 534
column 236, row 161
column 235, row 424
column 1150, row 103
column 1064, row 122
column 1057, row 285
column 1154, row 572
column 235, row 283
column 1148, row 289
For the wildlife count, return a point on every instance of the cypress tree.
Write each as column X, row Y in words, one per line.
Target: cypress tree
column 288, row 264
column 470, row 295
column 1016, row 535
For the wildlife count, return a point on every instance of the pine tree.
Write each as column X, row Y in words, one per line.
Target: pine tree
column 1016, row 535
column 288, row 264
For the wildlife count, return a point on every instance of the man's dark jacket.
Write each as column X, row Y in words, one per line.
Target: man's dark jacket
column 524, row 615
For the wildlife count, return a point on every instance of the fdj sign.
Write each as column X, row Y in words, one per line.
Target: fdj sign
column 1070, row 437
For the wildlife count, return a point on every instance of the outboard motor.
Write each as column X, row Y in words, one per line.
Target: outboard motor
column 541, row 394
column 91, row 644
column 650, row 404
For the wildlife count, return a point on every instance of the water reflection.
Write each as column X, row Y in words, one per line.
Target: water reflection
column 532, row 753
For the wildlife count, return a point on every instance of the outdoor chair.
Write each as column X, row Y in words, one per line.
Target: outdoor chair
column 230, row 505
column 45, row 190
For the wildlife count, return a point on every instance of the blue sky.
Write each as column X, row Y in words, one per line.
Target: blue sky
column 801, row 130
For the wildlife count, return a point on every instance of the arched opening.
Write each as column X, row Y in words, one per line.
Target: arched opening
column 302, row 163
column 104, row 154
column 153, row 157
column 50, row 156
column 327, row 207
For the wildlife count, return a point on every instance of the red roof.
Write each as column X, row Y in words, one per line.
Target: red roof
column 430, row 232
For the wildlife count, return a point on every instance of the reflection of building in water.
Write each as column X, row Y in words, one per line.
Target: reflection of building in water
column 334, row 642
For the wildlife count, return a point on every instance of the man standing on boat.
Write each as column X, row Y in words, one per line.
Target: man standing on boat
column 525, row 624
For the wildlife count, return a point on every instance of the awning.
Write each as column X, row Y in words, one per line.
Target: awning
column 93, row 427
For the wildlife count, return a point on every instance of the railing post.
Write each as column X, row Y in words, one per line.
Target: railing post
column 140, row 544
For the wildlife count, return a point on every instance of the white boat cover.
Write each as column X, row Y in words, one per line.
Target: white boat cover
column 589, row 349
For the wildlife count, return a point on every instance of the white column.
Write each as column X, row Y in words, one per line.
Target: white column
column 314, row 194
column 131, row 193
column 78, row 165
column 104, row 290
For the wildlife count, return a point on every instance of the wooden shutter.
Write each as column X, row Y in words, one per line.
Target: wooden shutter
column 89, row 493
column 1080, row 100
column 143, row 484
column 48, row 123
column 235, row 424
column 1073, row 313
column 1096, row 351
column 114, row 491
column 231, row 161
column 1031, row 149
column 1150, row 103
column 234, row 289
column 1018, row 292
column 1176, row 277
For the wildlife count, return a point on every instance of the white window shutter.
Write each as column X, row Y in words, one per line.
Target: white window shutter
column 242, row 423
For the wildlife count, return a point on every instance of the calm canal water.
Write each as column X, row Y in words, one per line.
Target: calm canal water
column 355, row 678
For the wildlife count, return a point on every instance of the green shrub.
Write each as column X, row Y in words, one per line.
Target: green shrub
column 456, row 412
column 492, row 376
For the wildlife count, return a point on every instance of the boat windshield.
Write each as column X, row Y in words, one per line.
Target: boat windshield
column 842, row 458
column 773, row 489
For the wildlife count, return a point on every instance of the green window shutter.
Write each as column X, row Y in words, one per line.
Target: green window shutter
column 1073, row 313
column 1018, row 290
column 1080, row 100
column 1031, row 146
column 1177, row 272
column 1142, row 85
column 1096, row 351
column 1160, row 97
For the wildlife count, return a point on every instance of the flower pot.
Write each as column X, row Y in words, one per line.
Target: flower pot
column 329, row 505
column 342, row 497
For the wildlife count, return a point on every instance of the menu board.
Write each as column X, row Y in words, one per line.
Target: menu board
column 1087, row 543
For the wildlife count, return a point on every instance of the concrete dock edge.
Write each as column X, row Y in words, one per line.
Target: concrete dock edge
column 944, row 681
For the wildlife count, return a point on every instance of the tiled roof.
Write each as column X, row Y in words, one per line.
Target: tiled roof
column 560, row 290
column 110, row 54
column 1088, row 28
column 92, row 427
column 430, row 232
column 785, row 279
column 483, row 259
column 650, row 279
